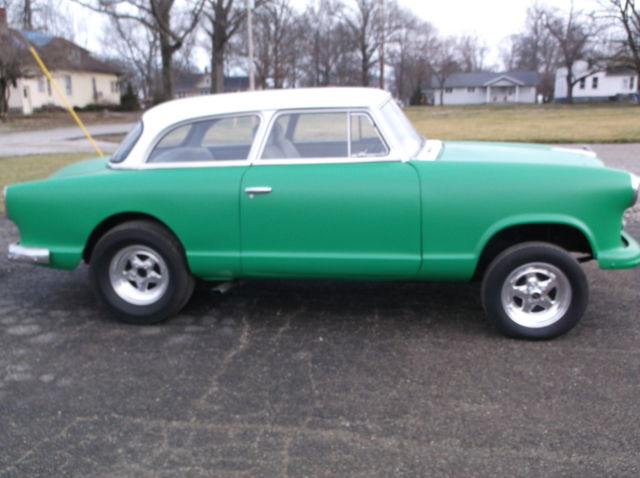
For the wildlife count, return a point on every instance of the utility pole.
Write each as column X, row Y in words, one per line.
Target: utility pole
column 252, row 81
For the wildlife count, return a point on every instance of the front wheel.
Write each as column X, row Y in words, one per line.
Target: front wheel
column 138, row 269
column 534, row 291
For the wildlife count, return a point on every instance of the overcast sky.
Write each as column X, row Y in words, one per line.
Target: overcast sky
column 490, row 20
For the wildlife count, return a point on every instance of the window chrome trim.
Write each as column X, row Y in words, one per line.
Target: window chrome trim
column 273, row 162
column 373, row 122
column 189, row 164
column 390, row 156
column 145, row 164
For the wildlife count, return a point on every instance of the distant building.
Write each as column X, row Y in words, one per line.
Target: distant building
column 197, row 84
column 82, row 77
column 600, row 85
column 484, row 88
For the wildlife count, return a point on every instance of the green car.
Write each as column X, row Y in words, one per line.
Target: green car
column 327, row 183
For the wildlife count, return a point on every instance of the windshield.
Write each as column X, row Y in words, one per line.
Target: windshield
column 402, row 128
column 127, row 144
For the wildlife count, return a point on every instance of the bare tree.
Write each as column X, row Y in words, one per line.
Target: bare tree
column 409, row 49
column 535, row 49
column 224, row 19
column 12, row 64
column 275, row 36
column 364, row 24
column 326, row 44
column 574, row 34
column 472, row 53
column 444, row 62
column 627, row 15
column 41, row 15
column 160, row 17
column 137, row 51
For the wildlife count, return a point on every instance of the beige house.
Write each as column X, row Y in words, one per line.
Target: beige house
column 83, row 78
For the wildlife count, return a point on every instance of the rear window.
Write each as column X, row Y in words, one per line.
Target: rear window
column 127, row 144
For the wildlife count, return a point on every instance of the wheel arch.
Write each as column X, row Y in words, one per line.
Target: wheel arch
column 567, row 233
column 115, row 220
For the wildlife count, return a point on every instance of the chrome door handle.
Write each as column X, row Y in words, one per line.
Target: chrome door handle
column 257, row 190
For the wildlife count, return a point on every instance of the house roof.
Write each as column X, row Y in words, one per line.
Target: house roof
column 484, row 78
column 61, row 54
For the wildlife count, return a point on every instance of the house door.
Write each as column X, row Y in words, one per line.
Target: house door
column 27, row 108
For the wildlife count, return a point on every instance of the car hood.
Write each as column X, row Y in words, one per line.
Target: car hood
column 82, row 168
column 517, row 153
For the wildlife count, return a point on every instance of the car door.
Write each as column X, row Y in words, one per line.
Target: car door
column 191, row 182
column 328, row 198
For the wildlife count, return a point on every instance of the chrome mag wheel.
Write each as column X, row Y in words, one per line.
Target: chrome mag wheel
column 139, row 275
column 536, row 294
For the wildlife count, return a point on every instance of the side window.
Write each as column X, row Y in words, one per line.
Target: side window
column 217, row 139
column 365, row 138
column 308, row 135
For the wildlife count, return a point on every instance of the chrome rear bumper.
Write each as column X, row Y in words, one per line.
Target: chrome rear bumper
column 33, row 255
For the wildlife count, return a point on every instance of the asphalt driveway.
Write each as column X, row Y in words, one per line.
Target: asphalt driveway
column 315, row 378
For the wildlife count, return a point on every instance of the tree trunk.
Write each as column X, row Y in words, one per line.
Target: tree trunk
column 217, row 69
column 4, row 100
column 166, row 53
column 27, row 16
column 569, row 79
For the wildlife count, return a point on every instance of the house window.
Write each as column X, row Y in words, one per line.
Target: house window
column 511, row 91
column 41, row 84
column 448, row 90
column 67, row 84
column 48, row 87
column 471, row 89
column 594, row 82
column 632, row 83
column 583, row 83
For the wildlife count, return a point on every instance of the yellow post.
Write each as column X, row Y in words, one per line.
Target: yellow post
column 64, row 100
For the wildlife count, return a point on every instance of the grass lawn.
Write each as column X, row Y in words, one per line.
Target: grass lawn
column 62, row 119
column 594, row 123
column 25, row 168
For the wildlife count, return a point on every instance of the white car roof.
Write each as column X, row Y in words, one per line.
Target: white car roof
column 194, row 107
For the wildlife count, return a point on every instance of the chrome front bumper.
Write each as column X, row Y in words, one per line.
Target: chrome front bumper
column 33, row 255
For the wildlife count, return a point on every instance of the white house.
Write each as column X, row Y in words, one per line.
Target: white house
column 595, row 86
column 83, row 78
column 484, row 88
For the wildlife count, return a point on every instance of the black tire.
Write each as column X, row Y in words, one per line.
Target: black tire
column 522, row 300
column 139, row 270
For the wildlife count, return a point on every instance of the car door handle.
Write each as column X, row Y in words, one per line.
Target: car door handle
column 257, row 190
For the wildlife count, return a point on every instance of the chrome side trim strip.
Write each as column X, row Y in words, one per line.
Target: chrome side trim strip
column 585, row 152
column 33, row 255
column 257, row 190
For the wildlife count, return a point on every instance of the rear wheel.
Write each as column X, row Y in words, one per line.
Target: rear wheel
column 534, row 291
column 138, row 269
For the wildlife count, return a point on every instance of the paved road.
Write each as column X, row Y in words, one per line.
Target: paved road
column 314, row 378
column 59, row 140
